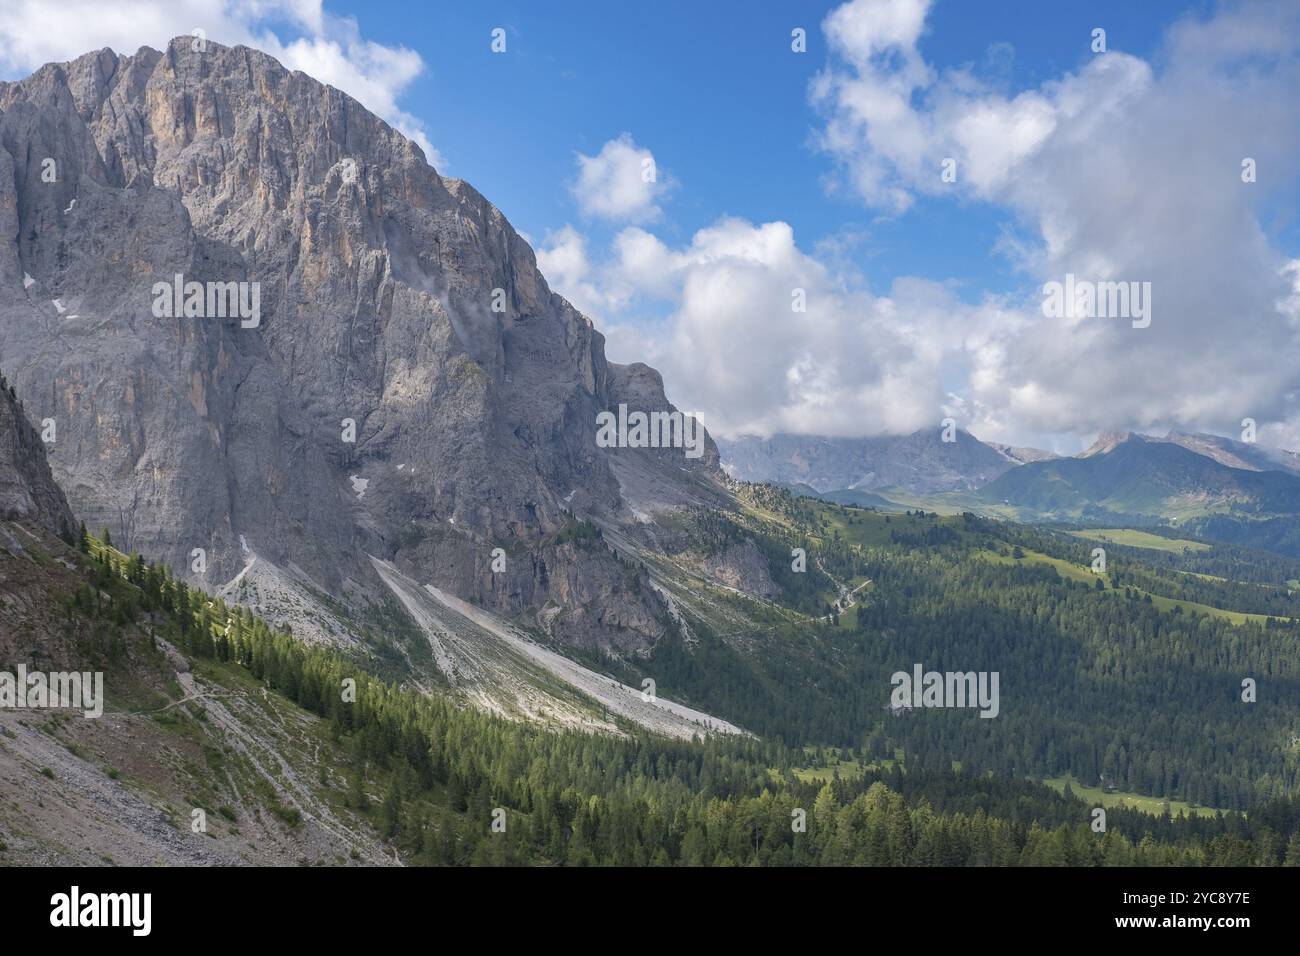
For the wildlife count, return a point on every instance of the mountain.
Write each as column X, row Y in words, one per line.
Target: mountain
column 219, row 741
column 398, row 383
column 218, row 747
column 919, row 463
column 616, row 647
column 1134, row 475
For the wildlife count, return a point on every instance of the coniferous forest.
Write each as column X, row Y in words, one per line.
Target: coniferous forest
column 572, row 798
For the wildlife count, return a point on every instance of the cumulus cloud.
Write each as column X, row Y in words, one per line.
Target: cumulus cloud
column 301, row 34
column 622, row 183
column 761, row 337
column 1118, row 170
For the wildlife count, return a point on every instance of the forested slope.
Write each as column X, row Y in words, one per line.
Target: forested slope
column 416, row 776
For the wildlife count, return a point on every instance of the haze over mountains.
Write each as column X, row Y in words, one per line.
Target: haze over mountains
column 921, row 462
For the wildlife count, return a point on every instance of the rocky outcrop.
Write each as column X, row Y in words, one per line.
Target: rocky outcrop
column 742, row 567
column 411, row 387
column 27, row 489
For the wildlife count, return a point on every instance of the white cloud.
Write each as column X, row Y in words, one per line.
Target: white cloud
column 732, row 346
column 622, row 182
column 299, row 33
column 1120, row 170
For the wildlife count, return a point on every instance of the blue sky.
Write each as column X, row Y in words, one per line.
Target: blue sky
column 715, row 92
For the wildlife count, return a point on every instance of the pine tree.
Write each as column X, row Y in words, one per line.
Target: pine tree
column 390, row 812
column 1293, row 850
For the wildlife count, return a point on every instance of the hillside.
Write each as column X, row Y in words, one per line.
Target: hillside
column 1238, row 454
column 1137, row 476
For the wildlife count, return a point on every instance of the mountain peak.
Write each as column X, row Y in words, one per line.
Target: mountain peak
column 409, row 386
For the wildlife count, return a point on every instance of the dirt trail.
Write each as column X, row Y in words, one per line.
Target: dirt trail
column 94, row 819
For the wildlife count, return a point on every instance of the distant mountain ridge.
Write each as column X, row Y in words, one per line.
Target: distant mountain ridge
column 1137, row 475
column 1227, row 490
column 1248, row 456
column 1022, row 455
column 1238, row 454
column 1139, row 479
column 920, row 463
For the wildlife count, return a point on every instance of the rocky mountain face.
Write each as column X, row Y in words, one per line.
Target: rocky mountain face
column 1021, row 455
column 921, row 463
column 371, row 363
column 1106, row 442
column 28, row 491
